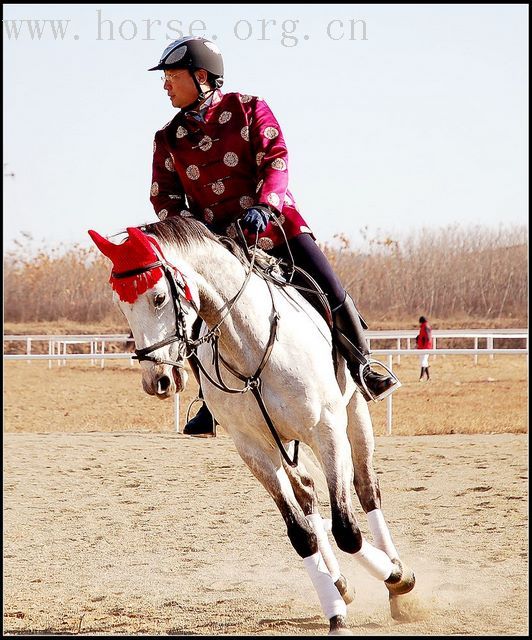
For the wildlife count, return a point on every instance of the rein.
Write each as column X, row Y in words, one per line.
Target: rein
column 252, row 383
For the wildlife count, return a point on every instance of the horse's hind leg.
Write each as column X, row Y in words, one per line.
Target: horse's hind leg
column 265, row 463
column 362, row 441
column 334, row 451
column 305, row 493
column 361, row 438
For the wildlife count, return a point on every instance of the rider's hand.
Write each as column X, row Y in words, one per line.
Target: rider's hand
column 255, row 220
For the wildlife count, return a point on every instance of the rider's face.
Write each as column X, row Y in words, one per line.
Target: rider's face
column 180, row 87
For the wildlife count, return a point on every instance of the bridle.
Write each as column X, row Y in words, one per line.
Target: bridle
column 188, row 346
column 178, row 293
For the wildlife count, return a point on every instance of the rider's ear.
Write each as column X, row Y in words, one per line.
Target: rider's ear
column 201, row 75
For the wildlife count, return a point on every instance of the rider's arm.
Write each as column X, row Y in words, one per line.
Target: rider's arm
column 166, row 194
column 271, row 157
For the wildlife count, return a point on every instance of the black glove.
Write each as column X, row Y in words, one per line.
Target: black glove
column 256, row 219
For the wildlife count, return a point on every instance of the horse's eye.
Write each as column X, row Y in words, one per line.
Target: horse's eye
column 159, row 299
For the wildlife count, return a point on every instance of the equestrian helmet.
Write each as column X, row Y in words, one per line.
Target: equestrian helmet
column 191, row 52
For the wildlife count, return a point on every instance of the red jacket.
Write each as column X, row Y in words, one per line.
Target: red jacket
column 424, row 338
column 214, row 170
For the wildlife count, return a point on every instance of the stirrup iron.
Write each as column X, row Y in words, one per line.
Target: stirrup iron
column 367, row 391
column 191, row 404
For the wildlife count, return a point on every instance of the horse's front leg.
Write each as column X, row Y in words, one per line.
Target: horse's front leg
column 264, row 461
column 335, row 454
column 362, row 441
column 305, row 493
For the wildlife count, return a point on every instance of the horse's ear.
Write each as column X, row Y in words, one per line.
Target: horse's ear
column 138, row 237
column 104, row 245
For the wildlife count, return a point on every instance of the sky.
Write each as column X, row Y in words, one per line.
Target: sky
column 396, row 117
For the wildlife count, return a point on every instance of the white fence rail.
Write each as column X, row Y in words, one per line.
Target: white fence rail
column 477, row 335
column 59, row 344
column 390, row 353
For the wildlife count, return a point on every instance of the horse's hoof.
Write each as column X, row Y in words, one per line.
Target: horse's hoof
column 347, row 594
column 338, row 627
column 401, row 581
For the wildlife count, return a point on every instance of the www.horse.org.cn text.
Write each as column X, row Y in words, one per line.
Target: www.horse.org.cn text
column 287, row 32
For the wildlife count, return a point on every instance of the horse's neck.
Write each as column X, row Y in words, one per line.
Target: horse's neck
column 219, row 276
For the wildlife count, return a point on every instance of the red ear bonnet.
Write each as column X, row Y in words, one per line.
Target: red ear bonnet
column 136, row 252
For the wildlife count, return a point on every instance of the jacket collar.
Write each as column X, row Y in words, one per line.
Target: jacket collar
column 203, row 114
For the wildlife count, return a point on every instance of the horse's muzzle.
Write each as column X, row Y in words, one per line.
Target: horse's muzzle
column 164, row 382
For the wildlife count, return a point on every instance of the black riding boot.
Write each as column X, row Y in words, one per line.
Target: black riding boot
column 351, row 342
column 203, row 423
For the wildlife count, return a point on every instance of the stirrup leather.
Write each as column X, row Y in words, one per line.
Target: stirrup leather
column 365, row 388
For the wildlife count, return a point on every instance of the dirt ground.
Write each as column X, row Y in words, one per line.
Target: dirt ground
column 159, row 533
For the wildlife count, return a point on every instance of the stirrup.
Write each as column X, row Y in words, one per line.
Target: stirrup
column 187, row 417
column 370, row 395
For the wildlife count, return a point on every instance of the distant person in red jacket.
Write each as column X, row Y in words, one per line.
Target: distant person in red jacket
column 223, row 158
column 424, row 341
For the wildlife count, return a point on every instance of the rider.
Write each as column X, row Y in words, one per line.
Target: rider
column 223, row 158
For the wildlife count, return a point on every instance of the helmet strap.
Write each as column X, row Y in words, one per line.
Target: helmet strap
column 202, row 95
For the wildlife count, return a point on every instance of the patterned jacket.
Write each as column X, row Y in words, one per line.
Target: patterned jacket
column 215, row 167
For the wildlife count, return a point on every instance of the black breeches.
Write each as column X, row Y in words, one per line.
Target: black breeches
column 309, row 257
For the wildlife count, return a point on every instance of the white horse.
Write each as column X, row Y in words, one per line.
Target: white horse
column 272, row 334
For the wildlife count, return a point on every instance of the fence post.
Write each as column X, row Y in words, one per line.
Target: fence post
column 489, row 341
column 389, row 402
column 398, row 347
column 475, row 357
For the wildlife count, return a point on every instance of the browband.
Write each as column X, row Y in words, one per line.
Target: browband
column 136, row 272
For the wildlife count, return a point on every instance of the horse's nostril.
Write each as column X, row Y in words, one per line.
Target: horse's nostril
column 163, row 384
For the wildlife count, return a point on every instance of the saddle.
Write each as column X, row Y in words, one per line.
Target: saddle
column 281, row 274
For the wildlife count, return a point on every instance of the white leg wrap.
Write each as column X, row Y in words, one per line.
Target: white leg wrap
column 381, row 534
column 374, row 561
column 331, row 601
column 325, row 546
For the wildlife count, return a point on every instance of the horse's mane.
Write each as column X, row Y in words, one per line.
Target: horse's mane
column 181, row 232
column 185, row 233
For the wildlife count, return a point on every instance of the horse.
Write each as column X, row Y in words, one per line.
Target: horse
column 269, row 378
